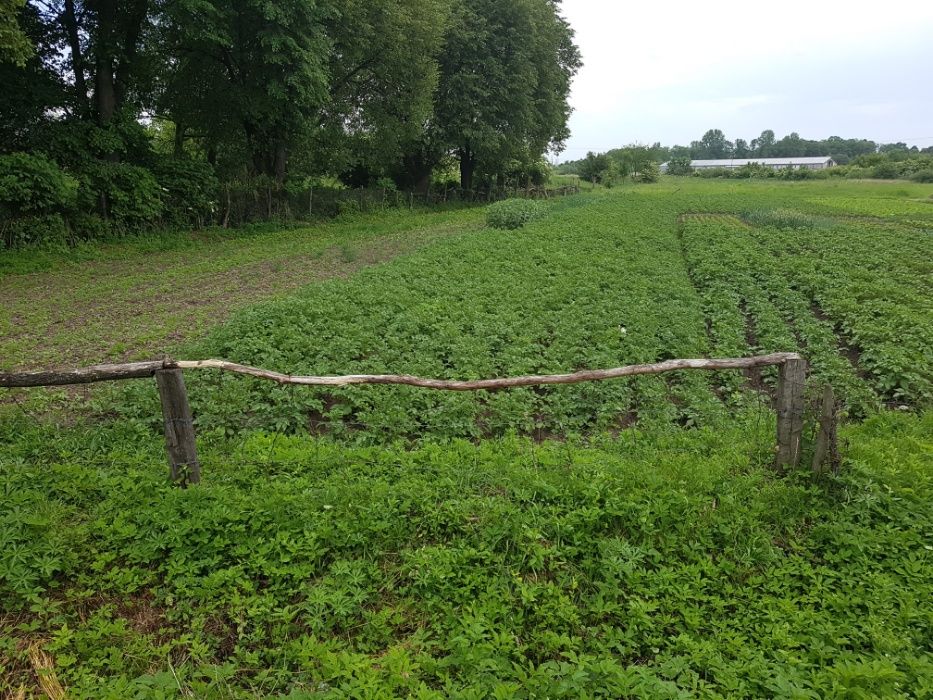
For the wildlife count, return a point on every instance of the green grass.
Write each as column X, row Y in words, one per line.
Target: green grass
column 662, row 566
column 625, row 539
column 140, row 298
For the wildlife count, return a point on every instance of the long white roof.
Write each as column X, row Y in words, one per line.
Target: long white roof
column 809, row 160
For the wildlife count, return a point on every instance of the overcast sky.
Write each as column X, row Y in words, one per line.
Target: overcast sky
column 657, row 70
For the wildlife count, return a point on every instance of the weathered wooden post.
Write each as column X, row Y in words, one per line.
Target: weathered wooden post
column 826, row 441
column 792, row 379
column 179, row 428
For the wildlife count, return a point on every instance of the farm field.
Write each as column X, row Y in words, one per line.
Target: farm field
column 616, row 539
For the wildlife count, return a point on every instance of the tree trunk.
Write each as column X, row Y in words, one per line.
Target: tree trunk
column 135, row 19
column 280, row 161
column 467, row 166
column 105, row 96
column 179, row 148
column 70, row 22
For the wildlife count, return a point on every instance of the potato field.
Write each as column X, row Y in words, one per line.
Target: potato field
column 620, row 539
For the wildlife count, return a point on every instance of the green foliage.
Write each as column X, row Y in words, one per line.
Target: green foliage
column 15, row 46
column 127, row 194
column 527, row 48
column 649, row 550
column 923, row 175
column 34, row 194
column 189, row 189
column 650, row 172
column 780, row 218
column 679, row 166
column 593, row 167
column 514, row 213
column 885, row 171
column 33, row 184
column 641, row 568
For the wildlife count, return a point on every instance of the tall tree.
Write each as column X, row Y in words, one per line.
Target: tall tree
column 505, row 74
column 14, row 44
column 715, row 145
column 324, row 74
column 764, row 144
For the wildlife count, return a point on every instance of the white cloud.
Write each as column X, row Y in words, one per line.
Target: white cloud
column 667, row 71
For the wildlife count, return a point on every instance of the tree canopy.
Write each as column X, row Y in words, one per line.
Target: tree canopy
column 359, row 90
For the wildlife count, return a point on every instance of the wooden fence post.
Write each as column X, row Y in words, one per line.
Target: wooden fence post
column 826, row 445
column 792, row 378
column 179, row 428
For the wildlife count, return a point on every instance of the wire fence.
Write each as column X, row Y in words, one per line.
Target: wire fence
column 248, row 202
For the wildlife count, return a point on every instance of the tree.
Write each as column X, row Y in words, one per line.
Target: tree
column 505, row 73
column 741, row 149
column 764, row 144
column 14, row 44
column 715, row 145
column 592, row 167
column 348, row 81
column 679, row 165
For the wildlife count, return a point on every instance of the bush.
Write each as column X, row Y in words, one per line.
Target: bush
column 923, row 175
column 714, row 172
column 886, row 171
column 32, row 184
column 189, row 190
column 750, row 170
column 650, row 172
column 679, row 166
column 512, row 214
column 34, row 195
column 40, row 229
column 127, row 194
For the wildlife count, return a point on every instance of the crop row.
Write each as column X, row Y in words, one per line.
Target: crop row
column 584, row 288
column 854, row 296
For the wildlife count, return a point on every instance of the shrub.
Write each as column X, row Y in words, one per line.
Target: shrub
column 33, row 184
column 650, row 172
column 38, row 229
column 714, row 172
column 34, row 195
column 923, row 175
column 512, row 214
column 791, row 173
column 750, row 170
column 679, row 166
column 885, row 171
column 127, row 194
column 189, row 189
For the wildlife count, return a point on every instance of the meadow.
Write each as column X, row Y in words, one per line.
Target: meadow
column 620, row 539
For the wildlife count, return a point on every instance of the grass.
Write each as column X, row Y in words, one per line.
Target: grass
column 618, row 540
column 138, row 298
column 655, row 566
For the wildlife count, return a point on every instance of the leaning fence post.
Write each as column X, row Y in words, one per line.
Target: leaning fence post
column 826, row 445
column 179, row 428
column 792, row 378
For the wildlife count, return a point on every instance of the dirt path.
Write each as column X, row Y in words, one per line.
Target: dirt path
column 146, row 305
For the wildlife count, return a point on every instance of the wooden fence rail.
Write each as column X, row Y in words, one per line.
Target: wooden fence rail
column 179, row 424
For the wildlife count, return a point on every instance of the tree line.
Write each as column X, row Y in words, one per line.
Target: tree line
column 132, row 107
column 860, row 153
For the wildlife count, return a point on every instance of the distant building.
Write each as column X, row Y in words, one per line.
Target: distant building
column 810, row 163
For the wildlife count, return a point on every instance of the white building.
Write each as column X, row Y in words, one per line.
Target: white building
column 810, row 163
